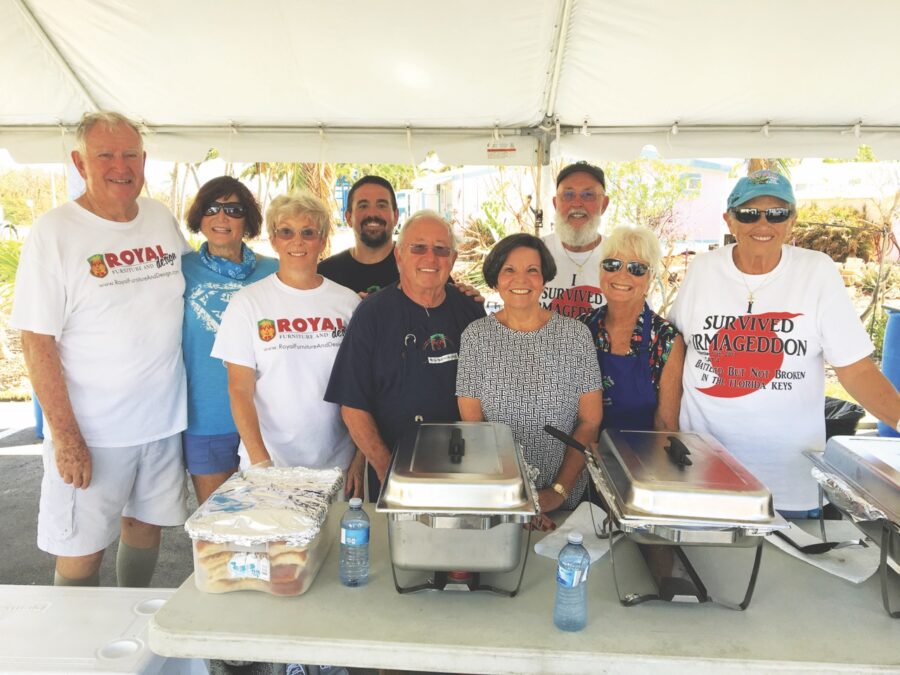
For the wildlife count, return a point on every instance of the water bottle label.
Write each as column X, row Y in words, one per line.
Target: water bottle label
column 248, row 565
column 355, row 537
column 571, row 577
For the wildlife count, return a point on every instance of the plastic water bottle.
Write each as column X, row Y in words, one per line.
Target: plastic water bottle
column 354, row 567
column 570, row 609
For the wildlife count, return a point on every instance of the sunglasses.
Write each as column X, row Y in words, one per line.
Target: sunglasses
column 586, row 196
column 779, row 214
column 438, row 250
column 306, row 234
column 635, row 268
column 232, row 210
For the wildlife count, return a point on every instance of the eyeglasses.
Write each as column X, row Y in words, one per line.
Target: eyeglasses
column 306, row 234
column 438, row 250
column 585, row 196
column 232, row 210
column 779, row 214
column 635, row 268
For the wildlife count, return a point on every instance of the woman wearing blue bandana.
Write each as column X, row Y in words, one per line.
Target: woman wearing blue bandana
column 225, row 213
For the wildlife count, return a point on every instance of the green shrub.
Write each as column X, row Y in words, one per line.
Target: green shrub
column 9, row 263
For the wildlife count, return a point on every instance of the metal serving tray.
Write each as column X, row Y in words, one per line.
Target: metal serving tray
column 706, row 497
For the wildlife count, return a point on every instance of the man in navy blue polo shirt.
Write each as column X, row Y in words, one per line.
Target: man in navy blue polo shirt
column 397, row 364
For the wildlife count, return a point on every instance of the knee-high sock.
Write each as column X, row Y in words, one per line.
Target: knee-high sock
column 134, row 566
column 92, row 580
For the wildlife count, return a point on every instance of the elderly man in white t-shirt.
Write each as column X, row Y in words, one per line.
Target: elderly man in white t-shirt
column 580, row 200
column 99, row 302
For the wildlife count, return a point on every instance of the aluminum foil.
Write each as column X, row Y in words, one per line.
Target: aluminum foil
column 531, row 475
column 846, row 498
column 258, row 506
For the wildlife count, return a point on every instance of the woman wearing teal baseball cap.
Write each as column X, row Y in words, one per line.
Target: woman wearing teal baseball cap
column 759, row 318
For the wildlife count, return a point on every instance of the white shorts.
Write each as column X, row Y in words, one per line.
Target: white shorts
column 146, row 482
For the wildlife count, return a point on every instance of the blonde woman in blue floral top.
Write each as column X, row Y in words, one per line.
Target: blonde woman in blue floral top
column 641, row 355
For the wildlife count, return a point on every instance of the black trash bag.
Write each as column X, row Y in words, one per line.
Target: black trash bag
column 841, row 417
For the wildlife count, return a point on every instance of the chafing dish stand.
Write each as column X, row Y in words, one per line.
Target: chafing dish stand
column 860, row 475
column 456, row 496
column 667, row 493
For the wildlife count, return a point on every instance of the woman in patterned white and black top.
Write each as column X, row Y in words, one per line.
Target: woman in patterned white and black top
column 526, row 366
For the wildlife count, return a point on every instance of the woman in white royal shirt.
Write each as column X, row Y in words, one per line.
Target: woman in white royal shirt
column 278, row 338
column 759, row 317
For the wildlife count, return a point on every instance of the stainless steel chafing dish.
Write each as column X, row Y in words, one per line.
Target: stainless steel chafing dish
column 675, row 490
column 860, row 475
column 456, row 497
column 682, row 488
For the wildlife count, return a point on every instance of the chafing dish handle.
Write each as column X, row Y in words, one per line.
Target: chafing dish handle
column 678, row 452
column 565, row 438
column 457, row 446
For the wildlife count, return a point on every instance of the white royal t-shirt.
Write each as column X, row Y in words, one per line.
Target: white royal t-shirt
column 575, row 289
column 111, row 295
column 291, row 337
column 756, row 380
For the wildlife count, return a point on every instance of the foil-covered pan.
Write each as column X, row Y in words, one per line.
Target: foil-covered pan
column 860, row 475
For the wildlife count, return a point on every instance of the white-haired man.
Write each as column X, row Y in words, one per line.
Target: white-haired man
column 99, row 302
column 580, row 200
column 396, row 366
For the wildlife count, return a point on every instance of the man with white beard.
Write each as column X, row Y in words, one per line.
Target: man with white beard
column 580, row 200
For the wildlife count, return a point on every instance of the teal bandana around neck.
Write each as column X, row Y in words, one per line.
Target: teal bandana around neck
column 226, row 267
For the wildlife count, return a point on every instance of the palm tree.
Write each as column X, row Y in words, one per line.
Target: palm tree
column 778, row 165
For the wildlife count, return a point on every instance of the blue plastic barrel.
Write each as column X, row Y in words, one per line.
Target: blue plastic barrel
column 38, row 416
column 890, row 357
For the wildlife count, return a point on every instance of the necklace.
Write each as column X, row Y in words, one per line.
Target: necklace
column 575, row 262
column 751, row 292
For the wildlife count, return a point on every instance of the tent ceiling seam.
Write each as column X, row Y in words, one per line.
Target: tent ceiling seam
column 556, row 54
column 565, row 129
column 51, row 47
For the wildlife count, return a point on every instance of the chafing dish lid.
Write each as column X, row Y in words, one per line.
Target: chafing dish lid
column 869, row 464
column 649, row 481
column 463, row 467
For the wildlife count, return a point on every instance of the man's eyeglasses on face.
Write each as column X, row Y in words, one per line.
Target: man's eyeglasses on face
column 584, row 195
column 635, row 268
column 776, row 215
column 438, row 250
column 232, row 210
column 287, row 233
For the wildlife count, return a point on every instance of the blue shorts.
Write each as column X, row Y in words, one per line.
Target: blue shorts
column 211, row 454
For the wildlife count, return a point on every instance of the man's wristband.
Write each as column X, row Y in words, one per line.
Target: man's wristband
column 560, row 490
column 897, row 428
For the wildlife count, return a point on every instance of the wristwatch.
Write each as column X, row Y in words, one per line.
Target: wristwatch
column 560, row 490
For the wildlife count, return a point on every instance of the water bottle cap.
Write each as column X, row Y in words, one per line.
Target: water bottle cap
column 355, row 503
column 575, row 537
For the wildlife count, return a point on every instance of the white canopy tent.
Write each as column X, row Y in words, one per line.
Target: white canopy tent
column 478, row 81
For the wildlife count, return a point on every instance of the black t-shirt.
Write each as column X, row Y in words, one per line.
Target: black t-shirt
column 398, row 361
column 342, row 268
